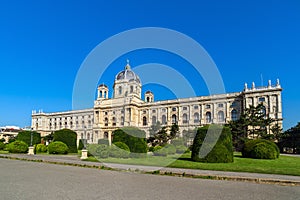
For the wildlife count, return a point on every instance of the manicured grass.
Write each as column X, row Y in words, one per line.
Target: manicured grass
column 285, row 165
column 3, row 152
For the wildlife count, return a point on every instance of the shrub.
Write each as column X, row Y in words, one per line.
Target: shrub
column 2, row 145
column 133, row 137
column 57, row 147
column 103, row 141
column 220, row 152
column 17, row 147
column 98, row 150
column 151, row 149
column 260, row 149
column 160, row 151
column 41, row 148
column 122, row 145
column 68, row 137
column 25, row 136
column 116, row 152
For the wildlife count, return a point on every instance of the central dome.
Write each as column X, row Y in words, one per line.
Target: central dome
column 127, row 75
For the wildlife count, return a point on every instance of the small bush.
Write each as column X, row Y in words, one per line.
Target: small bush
column 2, row 145
column 260, row 149
column 57, row 148
column 160, row 151
column 41, row 148
column 103, row 141
column 98, row 150
column 17, row 147
column 151, row 149
column 116, row 152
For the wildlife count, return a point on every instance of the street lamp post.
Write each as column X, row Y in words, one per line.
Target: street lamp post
column 31, row 148
column 84, row 151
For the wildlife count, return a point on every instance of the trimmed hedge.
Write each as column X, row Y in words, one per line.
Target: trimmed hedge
column 58, row 147
column 25, row 136
column 41, row 148
column 98, row 150
column 260, row 149
column 221, row 152
column 117, row 152
column 2, row 145
column 17, row 147
column 68, row 137
column 133, row 137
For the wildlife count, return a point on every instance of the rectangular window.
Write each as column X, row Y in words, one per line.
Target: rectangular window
column 207, row 106
column 262, row 99
column 184, row 108
column 220, row 105
column 196, row 107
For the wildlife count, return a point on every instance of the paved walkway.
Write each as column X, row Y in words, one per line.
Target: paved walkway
column 219, row 175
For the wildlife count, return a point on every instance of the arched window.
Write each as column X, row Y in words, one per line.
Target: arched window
column 196, row 118
column 105, row 135
column 122, row 121
column 106, row 121
column 114, row 121
column 234, row 115
column 144, row 121
column 81, row 135
column 185, row 118
column 148, row 99
column 120, row 90
column 153, row 120
column 208, row 117
column 174, row 119
column 100, row 94
column 221, row 116
column 164, row 119
column 88, row 136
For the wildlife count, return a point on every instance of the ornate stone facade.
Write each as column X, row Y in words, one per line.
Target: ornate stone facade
column 126, row 108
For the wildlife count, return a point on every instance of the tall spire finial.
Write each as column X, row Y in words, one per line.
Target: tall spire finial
column 127, row 66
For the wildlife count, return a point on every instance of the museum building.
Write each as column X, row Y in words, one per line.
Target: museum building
column 127, row 108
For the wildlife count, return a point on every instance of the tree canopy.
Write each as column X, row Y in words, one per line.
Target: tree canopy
column 253, row 123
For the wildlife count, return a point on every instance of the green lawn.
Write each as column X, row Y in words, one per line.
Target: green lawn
column 284, row 165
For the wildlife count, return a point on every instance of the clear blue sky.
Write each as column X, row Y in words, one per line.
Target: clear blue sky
column 43, row 43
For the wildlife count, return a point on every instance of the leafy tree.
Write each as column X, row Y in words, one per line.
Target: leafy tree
column 291, row 139
column 161, row 138
column 154, row 128
column 25, row 136
column 253, row 122
column 68, row 137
